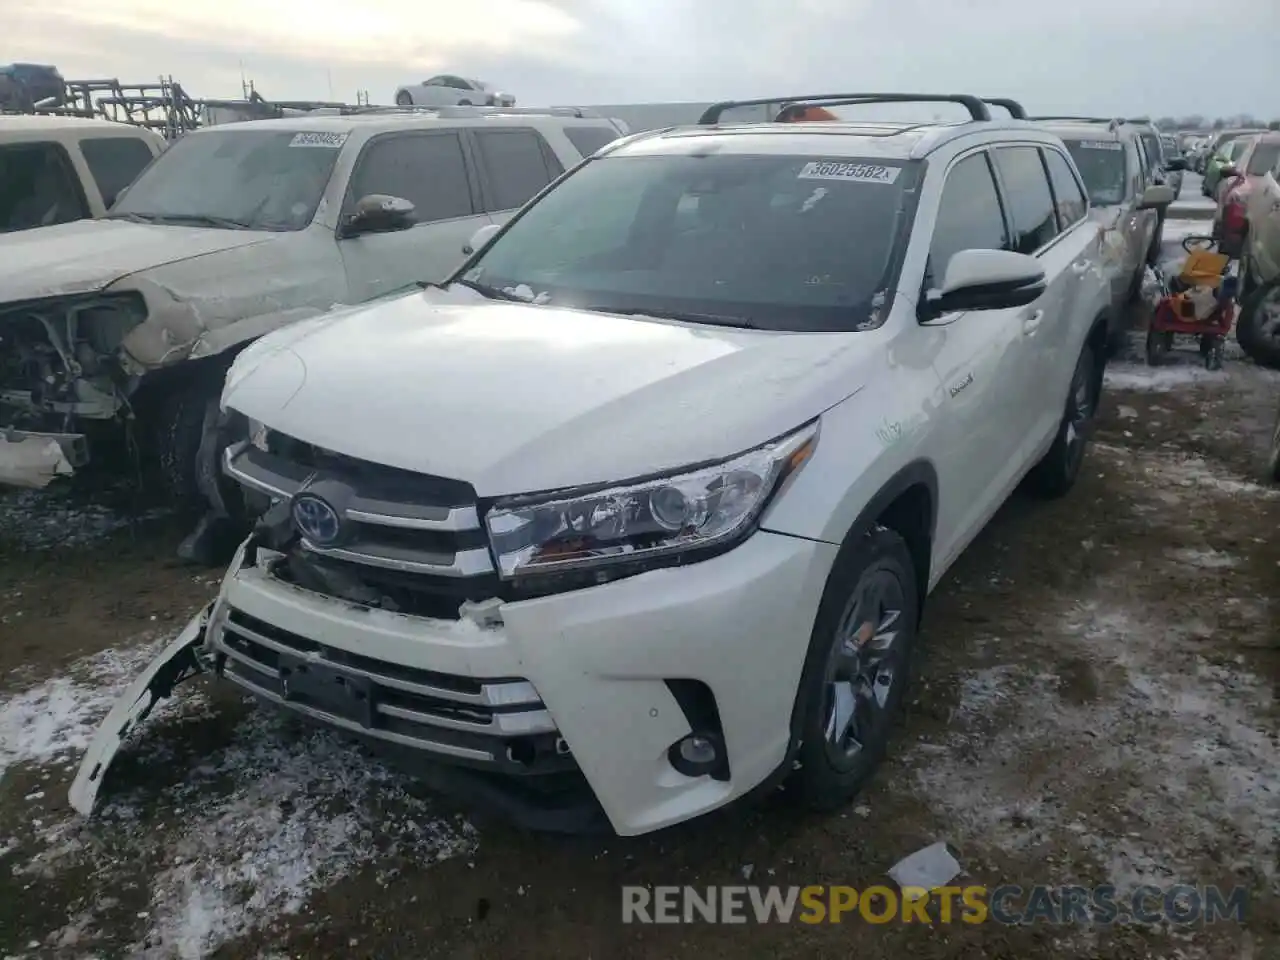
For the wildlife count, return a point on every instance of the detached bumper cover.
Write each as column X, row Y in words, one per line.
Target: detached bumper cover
column 34, row 460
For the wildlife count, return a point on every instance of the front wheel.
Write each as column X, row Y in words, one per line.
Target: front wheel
column 856, row 670
column 403, row 99
column 1258, row 328
column 1057, row 471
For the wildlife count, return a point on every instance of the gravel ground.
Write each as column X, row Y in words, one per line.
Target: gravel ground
column 1095, row 702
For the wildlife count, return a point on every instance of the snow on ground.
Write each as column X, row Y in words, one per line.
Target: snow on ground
column 1130, row 694
column 243, row 839
column 43, row 519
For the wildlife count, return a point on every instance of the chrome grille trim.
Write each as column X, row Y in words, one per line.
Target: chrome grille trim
column 376, row 512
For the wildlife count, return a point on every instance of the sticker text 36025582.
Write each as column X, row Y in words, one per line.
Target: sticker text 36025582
column 849, row 170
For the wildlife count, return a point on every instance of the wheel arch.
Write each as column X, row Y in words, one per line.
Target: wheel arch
column 906, row 503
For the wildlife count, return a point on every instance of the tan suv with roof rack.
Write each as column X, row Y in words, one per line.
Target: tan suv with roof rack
column 61, row 169
column 1117, row 171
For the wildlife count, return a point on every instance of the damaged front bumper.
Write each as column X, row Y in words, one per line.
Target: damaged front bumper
column 560, row 712
column 34, row 460
column 178, row 661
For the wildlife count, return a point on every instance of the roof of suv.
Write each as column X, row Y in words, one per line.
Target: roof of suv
column 837, row 138
column 1073, row 128
column 43, row 123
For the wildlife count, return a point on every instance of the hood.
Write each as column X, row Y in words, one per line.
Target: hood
column 517, row 398
column 89, row 255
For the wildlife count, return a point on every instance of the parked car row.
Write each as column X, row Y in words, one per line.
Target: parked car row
column 634, row 513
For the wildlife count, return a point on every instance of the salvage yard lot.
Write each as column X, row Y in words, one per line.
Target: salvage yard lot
column 1095, row 702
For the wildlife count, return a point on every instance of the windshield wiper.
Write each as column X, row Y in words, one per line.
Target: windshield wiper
column 711, row 319
column 493, row 293
column 193, row 219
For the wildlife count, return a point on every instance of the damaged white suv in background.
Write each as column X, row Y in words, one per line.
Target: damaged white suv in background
column 637, row 514
column 129, row 322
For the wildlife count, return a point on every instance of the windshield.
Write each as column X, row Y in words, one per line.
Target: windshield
column 1263, row 159
column 1101, row 164
column 236, row 178
column 775, row 242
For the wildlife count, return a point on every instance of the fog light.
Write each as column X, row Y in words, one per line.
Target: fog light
column 697, row 755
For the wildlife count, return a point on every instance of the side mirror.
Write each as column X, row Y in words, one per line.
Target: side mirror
column 378, row 213
column 986, row 280
column 1155, row 197
column 1175, row 164
column 1229, row 170
column 480, row 239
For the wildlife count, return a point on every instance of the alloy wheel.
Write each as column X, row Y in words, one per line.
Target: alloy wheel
column 865, row 664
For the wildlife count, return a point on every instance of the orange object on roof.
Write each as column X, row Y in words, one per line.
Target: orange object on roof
column 795, row 113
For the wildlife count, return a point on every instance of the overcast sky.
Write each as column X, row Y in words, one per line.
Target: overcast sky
column 1094, row 56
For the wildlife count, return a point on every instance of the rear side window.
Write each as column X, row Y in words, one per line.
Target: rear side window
column 517, row 163
column 38, row 187
column 1068, row 197
column 1264, row 158
column 1030, row 203
column 969, row 216
column 587, row 140
column 428, row 170
column 115, row 162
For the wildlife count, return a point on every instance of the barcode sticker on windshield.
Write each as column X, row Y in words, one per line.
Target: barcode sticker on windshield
column 331, row 141
column 857, row 172
column 1101, row 145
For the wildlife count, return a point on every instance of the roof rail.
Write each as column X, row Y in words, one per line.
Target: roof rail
column 1015, row 109
column 977, row 109
column 1115, row 120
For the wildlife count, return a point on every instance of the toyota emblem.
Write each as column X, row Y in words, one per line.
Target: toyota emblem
column 316, row 520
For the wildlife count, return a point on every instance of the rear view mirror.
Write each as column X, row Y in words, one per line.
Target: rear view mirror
column 987, row 280
column 1155, row 197
column 480, row 239
column 1229, row 170
column 1175, row 164
column 378, row 213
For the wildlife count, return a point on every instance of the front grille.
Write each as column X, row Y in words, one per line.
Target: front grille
column 498, row 723
column 412, row 539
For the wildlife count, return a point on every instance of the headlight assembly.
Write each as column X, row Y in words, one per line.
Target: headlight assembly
column 691, row 511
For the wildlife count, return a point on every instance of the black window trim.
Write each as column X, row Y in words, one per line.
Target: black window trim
column 468, row 163
column 549, row 159
column 69, row 167
column 1045, row 150
column 1035, row 145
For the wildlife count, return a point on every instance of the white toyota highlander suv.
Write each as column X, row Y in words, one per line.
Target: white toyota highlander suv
column 637, row 513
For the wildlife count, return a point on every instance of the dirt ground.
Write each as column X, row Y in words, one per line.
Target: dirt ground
column 1096, row 701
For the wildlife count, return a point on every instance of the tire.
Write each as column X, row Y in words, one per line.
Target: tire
column 1157, row 244
column 179, row 419
column 1159, row 343
column 1258, row 327
column 1273, row 456
column 843, row 723
column 464, row 103
column 1057, row 471
column 403, row 99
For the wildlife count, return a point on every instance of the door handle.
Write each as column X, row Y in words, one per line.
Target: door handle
column 1031, row 322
